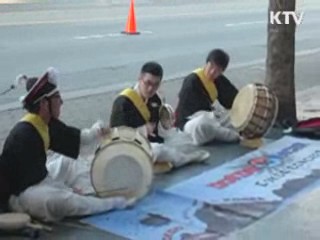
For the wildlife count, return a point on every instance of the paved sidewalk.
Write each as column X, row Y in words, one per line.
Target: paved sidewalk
column 297, row 221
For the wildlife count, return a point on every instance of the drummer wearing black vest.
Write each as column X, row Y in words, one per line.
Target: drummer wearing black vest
column 199, row 91
column 25, row 183
column 139, row 107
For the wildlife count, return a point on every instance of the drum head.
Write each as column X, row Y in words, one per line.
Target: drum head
column 122, row 168
column 127, row 134
column 243, row 106
column 12, row 221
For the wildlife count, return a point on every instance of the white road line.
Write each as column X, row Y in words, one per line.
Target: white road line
column 146, row 32
column 244, row 23
column 95, row 36
column 90, row 36
column 81, row 37
column 114, row 34
column 263, row 60
column 308, row 52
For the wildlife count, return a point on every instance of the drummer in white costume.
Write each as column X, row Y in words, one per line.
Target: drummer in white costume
column 24, row 179
column 200, row 90
column 139, row 107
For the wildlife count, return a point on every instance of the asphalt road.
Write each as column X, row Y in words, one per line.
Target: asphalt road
column 82, row 39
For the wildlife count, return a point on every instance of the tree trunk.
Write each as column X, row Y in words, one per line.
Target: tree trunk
column 280, row 61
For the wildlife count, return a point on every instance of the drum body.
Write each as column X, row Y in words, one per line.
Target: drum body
column 254, row 111
column 122, row 165
column 17, row 221
column 13, row 221
column 166, row 116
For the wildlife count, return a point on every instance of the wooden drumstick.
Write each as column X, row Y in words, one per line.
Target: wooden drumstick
column 39, row 226
column 251, row 143
column 162, row 167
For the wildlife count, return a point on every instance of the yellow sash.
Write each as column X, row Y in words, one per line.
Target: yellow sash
column 208, row 84
column 42, row 128
column 137, row 101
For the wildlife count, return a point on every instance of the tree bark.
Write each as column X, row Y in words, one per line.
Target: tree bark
column 280, row 61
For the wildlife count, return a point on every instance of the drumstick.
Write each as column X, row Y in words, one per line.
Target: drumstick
column 162, row 167
column 39, row 226
column 116, row 193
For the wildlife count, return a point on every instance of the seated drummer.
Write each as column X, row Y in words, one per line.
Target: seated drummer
column 26, row 185
column 138, row 107
column 198, row 93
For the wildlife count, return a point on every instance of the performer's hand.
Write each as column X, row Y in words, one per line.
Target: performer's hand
column 122, row 202
column 101, row 129
column 104, row 131
column 77, row 190
column 150, row 128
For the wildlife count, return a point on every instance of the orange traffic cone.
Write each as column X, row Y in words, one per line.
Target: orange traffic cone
column 131, row 27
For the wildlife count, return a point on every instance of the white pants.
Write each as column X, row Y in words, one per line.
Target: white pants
column 60, row 194
column 205, row 127
column 177, row 149
column 74, row 173
column 54, row 198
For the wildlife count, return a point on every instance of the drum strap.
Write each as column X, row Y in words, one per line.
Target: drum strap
column 41, row 127
column 137, row 101
column 208, row 85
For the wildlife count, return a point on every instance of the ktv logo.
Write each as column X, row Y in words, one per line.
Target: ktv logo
column 285, row 17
